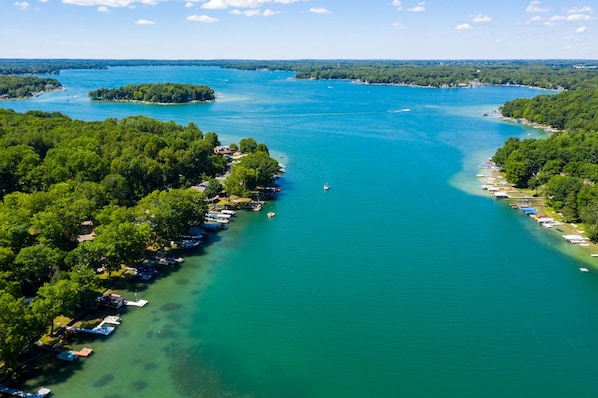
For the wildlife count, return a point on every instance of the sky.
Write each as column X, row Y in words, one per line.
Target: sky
column 299, row 29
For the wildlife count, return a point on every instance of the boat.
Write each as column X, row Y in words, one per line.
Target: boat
column 271, row 214
column 67, row 356
column 326, row 187
column 229, row 212
column 582, row 269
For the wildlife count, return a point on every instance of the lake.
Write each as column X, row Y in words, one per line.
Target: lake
column 404, row 279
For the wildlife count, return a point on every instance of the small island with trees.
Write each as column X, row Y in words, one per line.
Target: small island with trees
column 159, row 93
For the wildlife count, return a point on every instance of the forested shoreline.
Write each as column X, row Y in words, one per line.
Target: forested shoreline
column 129, row 178
column 157, row 93
column 14, row 87
column 563, row 168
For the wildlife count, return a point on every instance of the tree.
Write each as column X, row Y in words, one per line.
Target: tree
column 247, row 145
column 169, row 213
column 35, row 265
column 55, row 299
column 19, row 327
column 240, row 181
column 516, row 169
column 264, row 166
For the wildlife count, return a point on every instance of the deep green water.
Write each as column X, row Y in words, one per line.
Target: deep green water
column 402, row 280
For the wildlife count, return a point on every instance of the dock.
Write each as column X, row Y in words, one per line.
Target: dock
column 138, row 303
column 102, row 328
column 42, row 392
column 83, row 352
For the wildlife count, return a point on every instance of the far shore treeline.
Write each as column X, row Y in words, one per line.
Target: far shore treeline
column 157, row 93
column 549, row 74
column 130, row 178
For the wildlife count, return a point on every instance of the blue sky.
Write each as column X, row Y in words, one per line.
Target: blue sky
column 299, row 29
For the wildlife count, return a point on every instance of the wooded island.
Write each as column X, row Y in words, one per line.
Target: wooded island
column 167, row 93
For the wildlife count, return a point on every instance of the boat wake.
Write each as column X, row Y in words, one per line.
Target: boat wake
column 400, row 110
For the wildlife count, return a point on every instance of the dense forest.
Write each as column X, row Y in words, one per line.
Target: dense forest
column 570, row 110
column 130, row 178
column 166, row 93
column 25, row 86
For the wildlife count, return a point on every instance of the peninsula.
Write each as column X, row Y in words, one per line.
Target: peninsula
column 17, row 87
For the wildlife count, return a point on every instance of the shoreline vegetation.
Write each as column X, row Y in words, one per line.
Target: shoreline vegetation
column 530, row 204
column 158, row 93
column 85, row 202
column 20, row 87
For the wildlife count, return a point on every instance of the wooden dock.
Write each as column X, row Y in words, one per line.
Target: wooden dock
column 83, row 352
column 42, row 392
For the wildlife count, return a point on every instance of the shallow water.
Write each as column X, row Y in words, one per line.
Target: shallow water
column 401, row 280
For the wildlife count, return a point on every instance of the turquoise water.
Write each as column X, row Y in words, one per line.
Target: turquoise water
column 401, row 280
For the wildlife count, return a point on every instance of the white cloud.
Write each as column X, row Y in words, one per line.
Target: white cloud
column 463, row 26
column 23, row 5
column 144, row 22
column 534, row 7
column 581, row 29
column 254, row 13
column 103, row 9
column 43, row 1
column 419, row 8
column 398, row 26
column 224, row 4
column 572, row 18
column 109, row 3
column 248, row 13
column 319, row 11
column 579, row 17
column 189, row 4
column 578, row 10
column 202, row 18
column 481, row 18
column 397, row 3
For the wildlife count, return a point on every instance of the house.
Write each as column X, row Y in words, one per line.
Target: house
column 112, row 301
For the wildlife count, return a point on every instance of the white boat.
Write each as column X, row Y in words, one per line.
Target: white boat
column 326, row 187
column 225, row 211
column 220, row 215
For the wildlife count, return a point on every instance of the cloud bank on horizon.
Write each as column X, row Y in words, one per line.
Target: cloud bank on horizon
column 295, row 29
